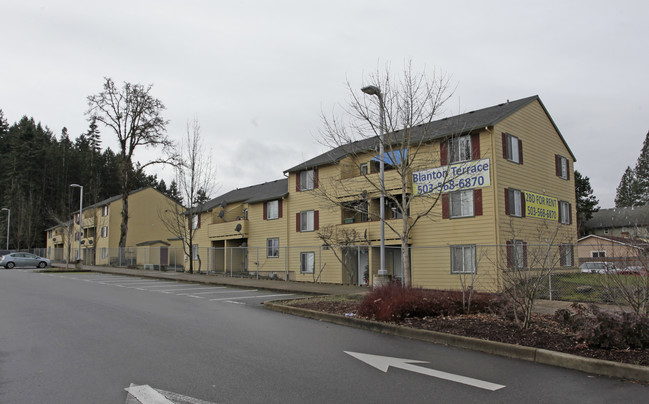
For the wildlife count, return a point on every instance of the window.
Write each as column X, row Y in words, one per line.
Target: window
column 196, row 222
column 516, row 254
column 459, row 149
column 463, row 259
column 306, row 180
column 461, row 203
column 566, row 255
column 104, row 252
column 606, row 231
column 104, row 210
column 512, row 148
column 272, row 247
column 598, row 254
column 514, row 203
column 49, row 234
column 365, row 169
column 104, row 231
column 562, row 167
column 307, row 262
column 272, row 210
column 565, row 213
column 307, row 221
column 77, row 235
column 194, row 252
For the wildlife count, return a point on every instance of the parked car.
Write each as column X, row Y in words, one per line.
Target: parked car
column 597, row 267
column 19, row 259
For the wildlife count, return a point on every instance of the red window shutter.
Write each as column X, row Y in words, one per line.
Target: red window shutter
column 567, row 169
column 279, row 208
column 297, row 181
column 522, row 204
column 316, row 220
column 265, row 210
column 475, row 146
column 445, row 206
column 477, row 202
column 557, row 165
column 524, row 254
column 507, row 201
column 190, row 220
column 520, row 151
column 562, row 255
column 509, row 254
column 505, row 146
column 315, row 178
column 199, row 220
column 443, row 153
column 297, row 222
column 559, row 212
column 569, row 214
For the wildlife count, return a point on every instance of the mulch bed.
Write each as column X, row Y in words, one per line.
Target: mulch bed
column 544, row 332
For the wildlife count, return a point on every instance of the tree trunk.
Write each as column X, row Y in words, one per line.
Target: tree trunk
column 123, row 230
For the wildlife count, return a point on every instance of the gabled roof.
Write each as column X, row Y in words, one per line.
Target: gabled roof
column 631, row 242
column 117, row 198
column 455, row 125
column 619, row 217
column 255, row 193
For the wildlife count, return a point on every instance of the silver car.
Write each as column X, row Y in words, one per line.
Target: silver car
column 19, row 259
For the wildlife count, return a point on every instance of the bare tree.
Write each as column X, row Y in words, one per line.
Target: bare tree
column 135, row 117
column 195, row 180
column 342, row 242
column 397, row 119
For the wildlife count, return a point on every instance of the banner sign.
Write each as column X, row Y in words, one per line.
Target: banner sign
column 541, row 206
column 454, row 177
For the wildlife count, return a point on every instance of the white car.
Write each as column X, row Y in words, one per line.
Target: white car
column 19, row 259
column 597, row 267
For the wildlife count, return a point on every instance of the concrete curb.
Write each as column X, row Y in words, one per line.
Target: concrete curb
column 541, row 356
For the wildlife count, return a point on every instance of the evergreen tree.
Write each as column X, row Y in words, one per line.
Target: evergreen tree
column 626, row 193
column 642, row 174
column 587, row 203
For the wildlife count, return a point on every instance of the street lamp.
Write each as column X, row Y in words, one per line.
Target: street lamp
column 8, row 222
column 80, row 214
column 373, row 90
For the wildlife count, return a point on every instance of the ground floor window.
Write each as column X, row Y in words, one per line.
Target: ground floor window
column 307, row 262
column 194, row 252
column 272, row 247
column 104, row 252
column 567, row 256
column 463, row 259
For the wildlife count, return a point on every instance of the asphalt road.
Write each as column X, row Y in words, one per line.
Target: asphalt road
column 84, row 338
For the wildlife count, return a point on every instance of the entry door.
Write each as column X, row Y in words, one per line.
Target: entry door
column 397, row 265
column 363, row 267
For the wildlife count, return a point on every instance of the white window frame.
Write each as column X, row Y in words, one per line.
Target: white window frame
column 307, row 262
column 195, row 252
column 598, row 254
column 307, row 221
column 104, row 210
column 461, row 204
column 564, row 208
column 104, row 252
column 518, row 254
column 563, row 168
column 195, row 219
column 365, row 168
column 272, row 247
column 515, row 203
column 465, row 262
column 104, row 231
column 459, row 149
column 513, row 152
column 306, row 180
column 272, row 210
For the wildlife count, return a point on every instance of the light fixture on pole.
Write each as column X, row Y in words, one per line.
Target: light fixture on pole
column 373, row 90
column 8, row 223
column 80, row 214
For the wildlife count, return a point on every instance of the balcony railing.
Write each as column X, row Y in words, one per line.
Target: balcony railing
column 228, row 230
column 371, row 231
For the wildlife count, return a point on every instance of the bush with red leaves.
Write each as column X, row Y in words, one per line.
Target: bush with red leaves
column 394, row 302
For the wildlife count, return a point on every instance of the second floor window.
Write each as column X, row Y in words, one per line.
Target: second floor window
column 272, row 210
column 565, row 213
column 514, row 202
column 104, row 210
column 104, row 231
column 307, row 220
column 461, row 203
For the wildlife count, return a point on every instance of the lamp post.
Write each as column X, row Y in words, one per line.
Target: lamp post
column 8, row 223
column 80, row 214
column 373, row 90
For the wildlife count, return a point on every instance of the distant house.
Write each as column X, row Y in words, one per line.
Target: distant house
column 630, row 222
column 620, row 251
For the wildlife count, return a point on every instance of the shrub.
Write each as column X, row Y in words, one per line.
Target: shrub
column 606, row 330
column 394, row 302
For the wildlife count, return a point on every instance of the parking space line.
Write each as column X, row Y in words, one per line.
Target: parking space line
column 224, row 291
column 249, row 297
column 198, row 288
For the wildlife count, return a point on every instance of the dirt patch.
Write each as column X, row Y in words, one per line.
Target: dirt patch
column 544, row 332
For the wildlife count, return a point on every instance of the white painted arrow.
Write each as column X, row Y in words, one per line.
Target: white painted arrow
column 383, row 363
column 146, row 394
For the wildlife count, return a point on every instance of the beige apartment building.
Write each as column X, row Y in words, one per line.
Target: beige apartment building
column 97, row 242
column 490, row 186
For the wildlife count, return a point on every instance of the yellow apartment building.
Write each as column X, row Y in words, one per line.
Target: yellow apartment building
column 98, row 240
column 491, row 186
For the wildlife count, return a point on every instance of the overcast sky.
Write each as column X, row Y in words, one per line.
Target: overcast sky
column 258, row 74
